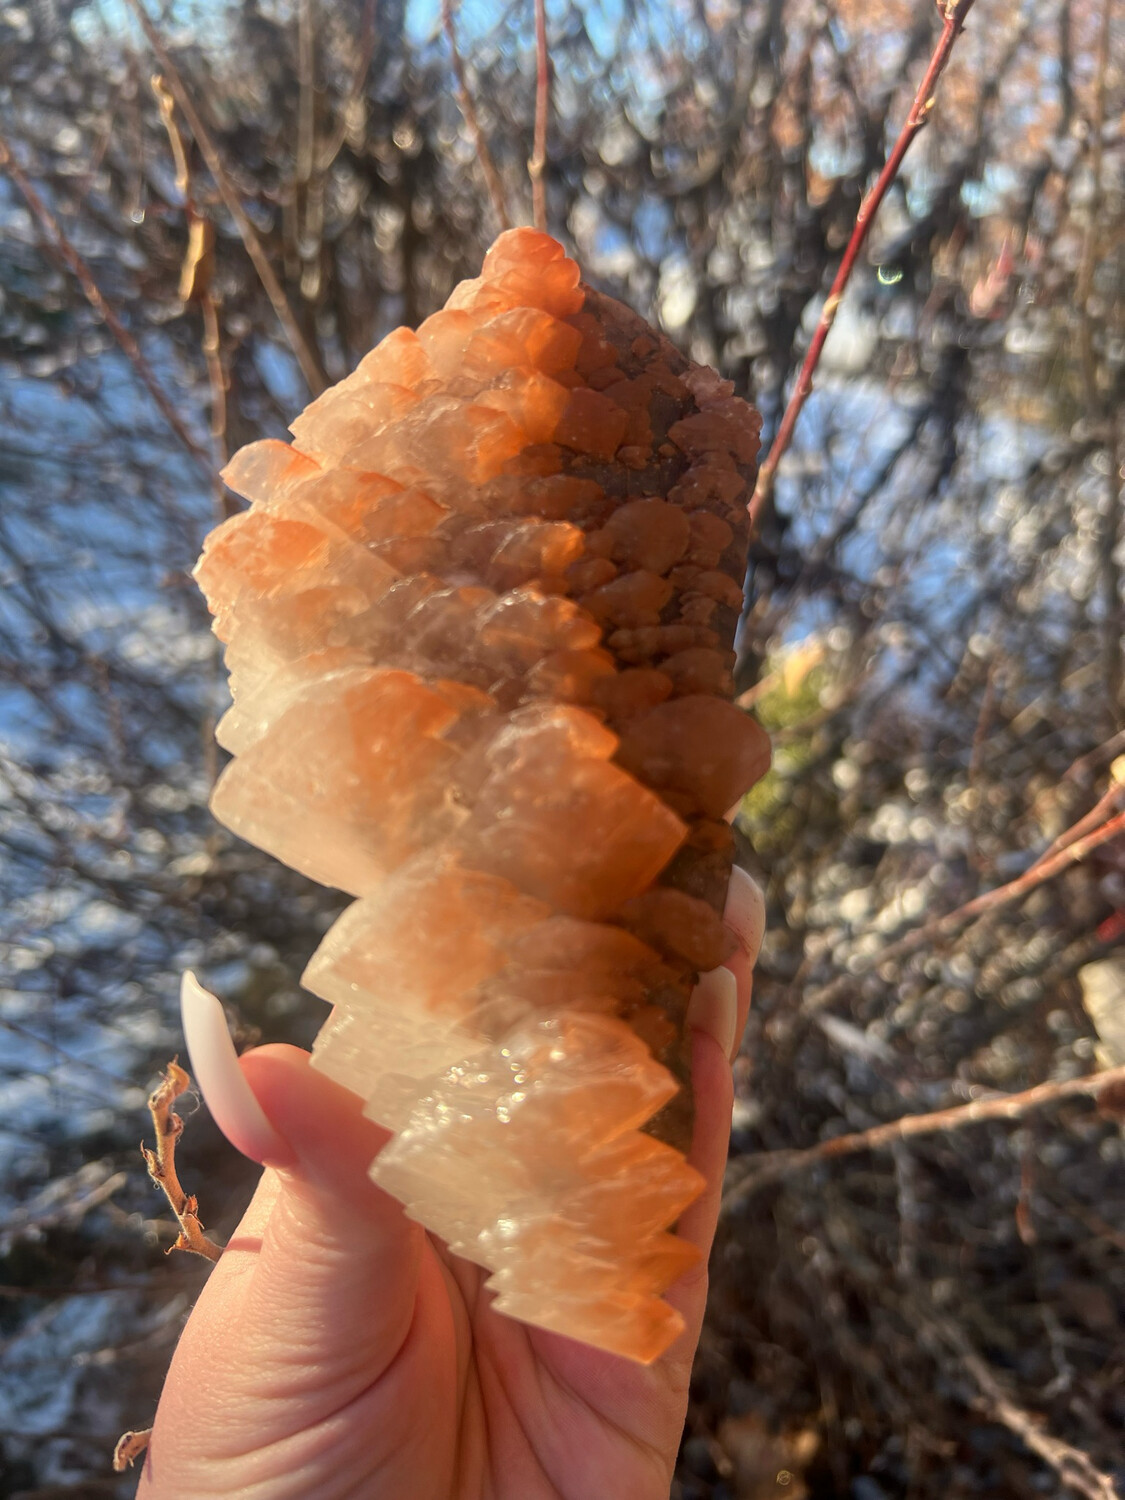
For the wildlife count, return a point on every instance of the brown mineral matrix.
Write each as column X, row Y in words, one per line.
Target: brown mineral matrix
column 479, row 622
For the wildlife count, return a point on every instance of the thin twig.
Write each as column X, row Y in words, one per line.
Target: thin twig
column 307, row 194
column 310, row 366
column 46, row 1210
column 537, row 166
column 128, row 1448
column 469, row 110
column 984, row 723
column 166, row 104
column 306, row 97
column 1044, row 869
column 1071, row 1466
column 940, row 928
column 211, row 344
column 1107, row 804
column 1099, row 410
column 1087, row 265
column 331, row 149
column 66, row 252
column 771, row 1166
column 196, row 275
column 953, row 13
column 161, row 1163
column 1086, row 766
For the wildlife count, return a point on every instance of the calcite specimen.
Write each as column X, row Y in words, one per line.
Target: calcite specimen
column 479, row 620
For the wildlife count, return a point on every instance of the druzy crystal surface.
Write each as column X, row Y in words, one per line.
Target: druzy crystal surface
column 478, row 620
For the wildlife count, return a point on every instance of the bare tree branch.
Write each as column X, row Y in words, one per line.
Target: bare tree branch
column 538, row 164
column 353, row 103
column 84, row 276
column 195, row 286
column 310, row 365
column 953, row 14
column 1071, row 1466
column 938, row 929
column 772, row 1166
column 469, row 110
column 1098, row 408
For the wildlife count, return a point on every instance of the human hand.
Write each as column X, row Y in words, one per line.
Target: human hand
column 339, row 1352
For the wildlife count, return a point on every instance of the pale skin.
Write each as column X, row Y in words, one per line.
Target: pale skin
column 338, row 1352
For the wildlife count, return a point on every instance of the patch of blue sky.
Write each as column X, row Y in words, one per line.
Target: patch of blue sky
column 45, row 1069
column 987, row 195
column 846, row 432
column 109, row 603
column 29, row 1100
column 280, row 375
column 652, row 227
column 476, row 19
column 940, row 579
column 834, row 156
column 78, row 701
column 198, row 18
column 205, row 20
column 612, row 252
column 32, row 405
column 1006, row 448
column 24, row 722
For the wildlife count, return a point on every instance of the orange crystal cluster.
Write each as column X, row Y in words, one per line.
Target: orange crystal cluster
column 478, row 623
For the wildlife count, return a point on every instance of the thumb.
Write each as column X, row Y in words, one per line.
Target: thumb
column 329, row 1146
column 335, row 1261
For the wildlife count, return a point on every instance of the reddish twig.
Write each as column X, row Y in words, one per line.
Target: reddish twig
column 1102, row 809
column 469, row 110
column 537, row 166
column 310, row 366
column 1086, row 766
column 1044, row 869
column 771, row 1166
column 953, row 13
column 70, row 257
column 944, row 927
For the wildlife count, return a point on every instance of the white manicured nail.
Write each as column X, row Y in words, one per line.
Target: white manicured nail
column 713, row 1007
column 745, row 912
column 214, row 1066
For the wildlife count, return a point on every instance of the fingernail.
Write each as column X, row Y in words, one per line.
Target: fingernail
column 745, row 912
column 214, row 1066
column 713, row 1007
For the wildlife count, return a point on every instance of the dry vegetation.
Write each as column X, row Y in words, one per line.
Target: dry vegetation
column 933, row 638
